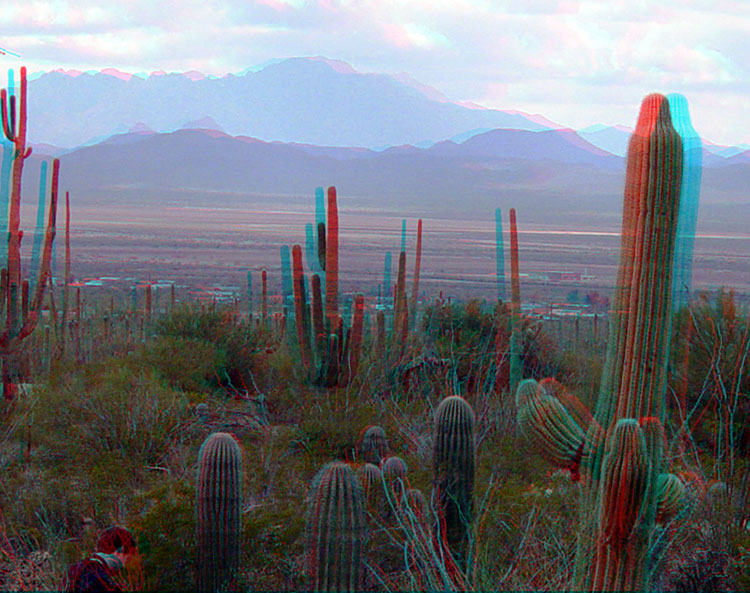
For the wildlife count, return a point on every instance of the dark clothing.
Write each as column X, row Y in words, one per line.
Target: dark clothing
column 92, row 575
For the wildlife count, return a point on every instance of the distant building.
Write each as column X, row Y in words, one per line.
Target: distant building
column 564, row 276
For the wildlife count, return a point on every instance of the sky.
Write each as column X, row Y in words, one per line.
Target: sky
column 576, row 62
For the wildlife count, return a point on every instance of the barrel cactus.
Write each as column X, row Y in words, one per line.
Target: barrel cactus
column 218, row 511
column 453, row 472
column 336, row 534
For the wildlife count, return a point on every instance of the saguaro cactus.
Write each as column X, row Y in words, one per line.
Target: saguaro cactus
column 20, row 321
column 621, row 448
column 453, row 472
column 332, row 260
column 417, row 268
column 218, row 510
column 499, row 255
column 300, row 308
column 336, row 532
column 516, row 346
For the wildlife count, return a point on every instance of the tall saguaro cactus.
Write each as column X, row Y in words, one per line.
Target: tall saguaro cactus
column 336, row 532
column 499, row 255
column 621, row 448
column 516, row 346
column 218, row 511
column 453, row 463
column 21, row 320
column 332, row 260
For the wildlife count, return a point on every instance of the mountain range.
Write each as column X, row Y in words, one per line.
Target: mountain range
column 387, row 143
column 313, row 101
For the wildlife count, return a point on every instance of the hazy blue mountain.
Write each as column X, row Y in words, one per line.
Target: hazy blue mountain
column 304, row 100
column 563, row 146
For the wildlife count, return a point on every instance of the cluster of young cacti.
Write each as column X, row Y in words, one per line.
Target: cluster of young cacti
column 620, row 447
column 22, row 310
column 218, row 512
column 329, row 351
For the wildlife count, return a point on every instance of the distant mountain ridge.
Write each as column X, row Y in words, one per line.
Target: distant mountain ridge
column 313, row 102
column 305, row 100
column 554, row 174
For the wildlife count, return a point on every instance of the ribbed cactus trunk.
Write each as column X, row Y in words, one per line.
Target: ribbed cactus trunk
column 516, row 346
column 692, row 160
column 336, row 532
column 417, row 269
column 300, row 308
column 453, row 473
column 218, row 511
column 499, row 255
column 264, row 298
column 400, row 310
column 332, row 259
column 286, row 275
column 614, row 550
column 20, row 319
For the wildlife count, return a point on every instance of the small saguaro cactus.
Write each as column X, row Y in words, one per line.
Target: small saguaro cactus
column 394, row 474
column 374, row 445
column 453, row 473
column 218, row 511
column 370, row 477
column 336, row 532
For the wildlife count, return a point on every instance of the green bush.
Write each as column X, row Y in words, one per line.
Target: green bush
column 166, row 536
column 184, row 363
column 235, row 349
column 108, row 407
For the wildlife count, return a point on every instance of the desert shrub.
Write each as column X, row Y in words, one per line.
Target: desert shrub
column 466, row 333
column 273, row 547
column 239, row 347
column 330, row 428
column 184, row 363
column 165, row 528
column 718, row 376
column 109, row 406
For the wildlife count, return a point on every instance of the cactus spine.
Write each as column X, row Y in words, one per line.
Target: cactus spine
column 453, row 472
column 336, row 533
column 218, row 506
